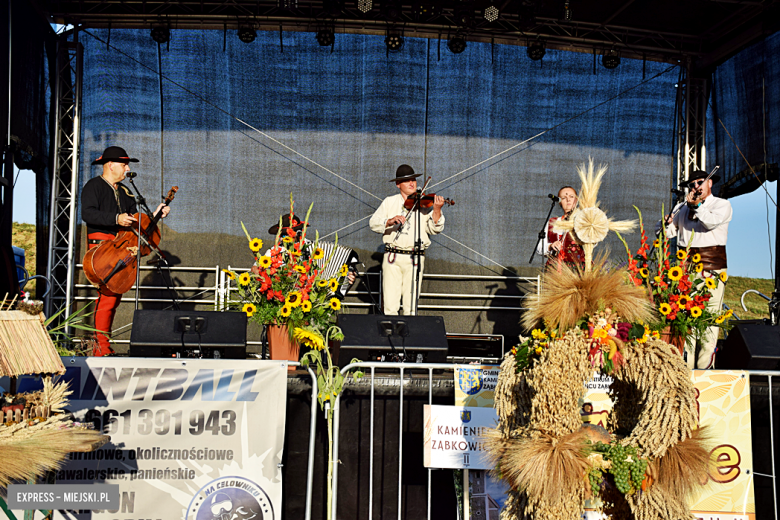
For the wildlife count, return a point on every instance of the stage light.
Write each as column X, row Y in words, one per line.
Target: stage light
column 161, row 34
column 567, row 14
column 611, row 59
column 392, row 10
column 536, row 51
column 425, row 10
column 325, row 37
column 246, row 34
column 365, row 6
column 456, row 44
column 491, row 13
column 464, row 15
column 394, row 41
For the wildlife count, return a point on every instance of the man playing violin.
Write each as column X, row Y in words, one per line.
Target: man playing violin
column 398, row 263
column 106, row 206
column 702, row 222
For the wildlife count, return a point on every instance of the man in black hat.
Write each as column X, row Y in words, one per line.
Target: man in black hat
column 702, row 222
column 398, row 263
column 106, row 206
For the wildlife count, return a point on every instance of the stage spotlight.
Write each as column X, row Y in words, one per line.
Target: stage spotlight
column 161, row 34
column 394, row 41
column 456, row 44
column 246, row 34
column 611, row 59
column 325, row 37
column 392, row 10
column 464, row 15
column 365, row 6
column 567, row 14
column 491, row 13
column 536, row 51
column 423, row 10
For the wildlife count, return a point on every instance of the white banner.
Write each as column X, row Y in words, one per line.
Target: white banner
column 453, row 436
column 190, row 439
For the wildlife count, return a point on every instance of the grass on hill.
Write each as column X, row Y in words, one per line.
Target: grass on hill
column 24, row 237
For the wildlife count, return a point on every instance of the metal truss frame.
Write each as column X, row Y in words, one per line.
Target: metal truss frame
column 691, row 125
column 65, row 177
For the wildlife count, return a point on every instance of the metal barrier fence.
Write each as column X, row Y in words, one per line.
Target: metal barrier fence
column 370, row 368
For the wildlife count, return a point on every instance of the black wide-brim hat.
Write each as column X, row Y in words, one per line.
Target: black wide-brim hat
column 405, row 173
column 114, row 154
column 297, row 224
column 696, row 175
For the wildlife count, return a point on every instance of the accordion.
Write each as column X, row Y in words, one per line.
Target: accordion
column 341, row 255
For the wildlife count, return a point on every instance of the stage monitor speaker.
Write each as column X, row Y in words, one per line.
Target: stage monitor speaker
column 207, row 334
column 751, row 344
column 372, row 337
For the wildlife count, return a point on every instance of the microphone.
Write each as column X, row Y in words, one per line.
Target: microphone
column 131, row 175
column 554, row 197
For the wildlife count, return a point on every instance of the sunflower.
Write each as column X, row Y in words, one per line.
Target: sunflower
column 665, row 308
column 249, row 309
column 244, row 279
column 699, row 268
column 656, row 243
column 335, row 304
column 322, row 283
column 675, row 273
column 255, row 244
column 682, row 255
column 287, row 240
column 308, row 337
column 538, row 350
column 264, row 261
column 344, row 270
column 729, row 313
column 306, row 306
column 293, row 299
column 723, row 276
column 318, row 253
column 230, row 274
column 696, row 258
column 711, row 283
column 299, row 269
column 333, row 284
column 645, row 272
column 286, row 310
column 720, row 319
column 696, row 312
column 684, row 299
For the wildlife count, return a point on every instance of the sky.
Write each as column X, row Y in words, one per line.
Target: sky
column 750, row 247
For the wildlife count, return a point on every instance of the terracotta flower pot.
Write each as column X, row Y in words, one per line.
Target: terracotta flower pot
column 281, row 346
column 677, row 341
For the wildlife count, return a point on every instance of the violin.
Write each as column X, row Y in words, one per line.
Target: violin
column 112, row 265
column 426, row 201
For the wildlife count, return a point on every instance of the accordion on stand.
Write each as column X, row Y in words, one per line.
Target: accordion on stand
column 341, row 255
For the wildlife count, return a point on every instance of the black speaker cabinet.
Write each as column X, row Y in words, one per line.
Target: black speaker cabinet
column 476, row 346
column 371, row 337
column 751, row 344
column 188, row 334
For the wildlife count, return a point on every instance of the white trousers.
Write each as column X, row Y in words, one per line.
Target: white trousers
column 398, row 282
column 709, row 340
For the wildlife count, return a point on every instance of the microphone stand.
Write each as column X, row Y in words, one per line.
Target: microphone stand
column 417, row 254
column 543, row 231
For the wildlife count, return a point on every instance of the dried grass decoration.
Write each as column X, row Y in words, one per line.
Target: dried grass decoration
column 652, row 459
column 36, row 435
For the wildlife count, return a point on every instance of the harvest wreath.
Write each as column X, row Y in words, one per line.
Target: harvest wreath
column 653, row 456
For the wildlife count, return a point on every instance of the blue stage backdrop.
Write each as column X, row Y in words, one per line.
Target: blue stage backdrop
column 238, row 129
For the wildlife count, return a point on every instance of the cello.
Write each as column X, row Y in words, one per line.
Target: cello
column 112, row 266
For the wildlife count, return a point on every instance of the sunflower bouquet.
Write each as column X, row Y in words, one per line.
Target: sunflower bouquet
column 678, row 285
column 285, row 287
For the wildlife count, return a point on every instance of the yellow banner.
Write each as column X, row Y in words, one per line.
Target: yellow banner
column 724, row 406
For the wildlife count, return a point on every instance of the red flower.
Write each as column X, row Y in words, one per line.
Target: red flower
column 671, row 316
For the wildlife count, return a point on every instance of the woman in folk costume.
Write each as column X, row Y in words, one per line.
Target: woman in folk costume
column 563, row 247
